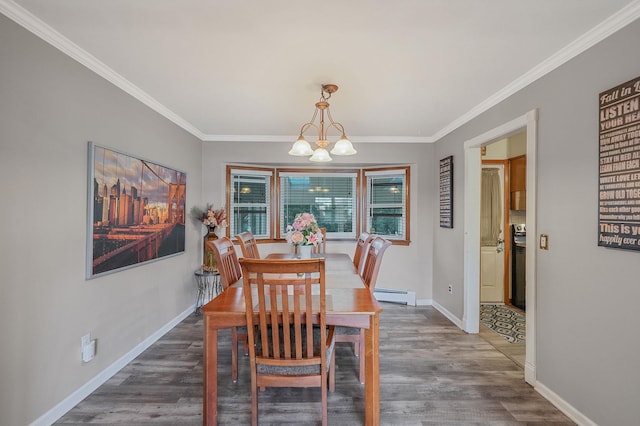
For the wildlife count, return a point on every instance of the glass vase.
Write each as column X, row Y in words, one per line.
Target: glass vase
column 209, row 260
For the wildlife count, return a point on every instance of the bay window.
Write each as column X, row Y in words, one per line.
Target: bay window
column 344, row 201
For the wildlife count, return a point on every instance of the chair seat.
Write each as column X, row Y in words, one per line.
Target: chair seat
column 300, row 370
column 347, row 330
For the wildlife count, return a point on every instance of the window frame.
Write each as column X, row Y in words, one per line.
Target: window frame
column 255, row 171
column 360, row 211
column 405, row 239
column 357, row 175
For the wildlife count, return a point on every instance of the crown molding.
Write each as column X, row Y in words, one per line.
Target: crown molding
column 614, row 23
column 392, row 139
column 292, row 138
column 38, row 27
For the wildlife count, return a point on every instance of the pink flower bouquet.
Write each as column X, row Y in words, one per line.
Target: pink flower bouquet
column 304, row 230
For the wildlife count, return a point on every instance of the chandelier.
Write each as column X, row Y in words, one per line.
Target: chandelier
column 342, row 147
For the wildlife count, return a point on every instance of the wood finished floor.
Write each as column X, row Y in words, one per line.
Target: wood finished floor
column 514, row 351
column 431, row 373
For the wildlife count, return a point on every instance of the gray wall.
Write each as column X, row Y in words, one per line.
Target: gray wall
column 50, row 106
column 587, row 325
column 405, row 267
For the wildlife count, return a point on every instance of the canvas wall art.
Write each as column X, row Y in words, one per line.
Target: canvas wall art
column 136, row 211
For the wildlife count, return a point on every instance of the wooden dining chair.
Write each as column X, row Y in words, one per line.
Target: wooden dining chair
column 291, row 344
column 322, row 247
column 360, row 250
column 369, row 274
column 375, row 251
column 248, row 245
column 230, row 272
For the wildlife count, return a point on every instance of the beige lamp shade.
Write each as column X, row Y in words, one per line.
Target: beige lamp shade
column 343, row 147
column 301, row 148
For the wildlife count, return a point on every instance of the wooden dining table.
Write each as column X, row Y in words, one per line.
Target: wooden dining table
column 352, row 305
column 335, row 263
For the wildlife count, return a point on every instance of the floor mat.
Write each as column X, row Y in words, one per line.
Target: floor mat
column 504, row 321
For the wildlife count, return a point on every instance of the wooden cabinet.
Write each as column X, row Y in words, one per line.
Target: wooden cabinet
column 518, row 182
column 518, row 177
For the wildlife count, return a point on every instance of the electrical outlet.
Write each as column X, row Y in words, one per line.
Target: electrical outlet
column 451, row 288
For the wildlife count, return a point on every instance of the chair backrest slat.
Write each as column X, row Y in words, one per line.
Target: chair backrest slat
column 248, row 245
column 287, row 312
column 226, row 260
column 369, row 272
column 360, row 252
column 322, row 247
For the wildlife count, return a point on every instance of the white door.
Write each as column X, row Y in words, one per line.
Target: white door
column 492, row 253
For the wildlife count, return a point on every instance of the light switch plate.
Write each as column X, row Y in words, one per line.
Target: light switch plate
column 84, row 341
column 89, row 351
column 544, row 242
column 87, row 348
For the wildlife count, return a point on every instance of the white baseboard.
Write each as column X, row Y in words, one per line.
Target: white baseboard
column 85, row 390
column 454, row 319
column 424, row 302
column 562, row 405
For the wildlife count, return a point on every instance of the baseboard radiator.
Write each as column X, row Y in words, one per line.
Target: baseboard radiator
column 404, row 297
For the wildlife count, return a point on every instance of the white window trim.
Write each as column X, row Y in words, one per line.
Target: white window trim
column 391, row 172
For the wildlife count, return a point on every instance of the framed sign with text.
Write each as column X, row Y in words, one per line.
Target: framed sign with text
column 619, row 167
column 446, row 192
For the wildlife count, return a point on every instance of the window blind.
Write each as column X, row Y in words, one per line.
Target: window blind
column 331, row 197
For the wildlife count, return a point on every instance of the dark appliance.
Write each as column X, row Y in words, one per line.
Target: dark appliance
column 518, row 265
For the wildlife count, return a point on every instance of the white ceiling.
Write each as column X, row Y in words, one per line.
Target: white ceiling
column 408, row 70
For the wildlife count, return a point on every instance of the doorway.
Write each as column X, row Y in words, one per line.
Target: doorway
column 472, row 199
column 502, row 324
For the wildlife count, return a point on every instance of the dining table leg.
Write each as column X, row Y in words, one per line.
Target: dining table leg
column 210, row 391
column 372, row 372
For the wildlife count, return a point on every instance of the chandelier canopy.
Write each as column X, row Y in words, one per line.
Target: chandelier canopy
column 342, row 147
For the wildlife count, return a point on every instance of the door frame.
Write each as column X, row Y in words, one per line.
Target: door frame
column 472, row 163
